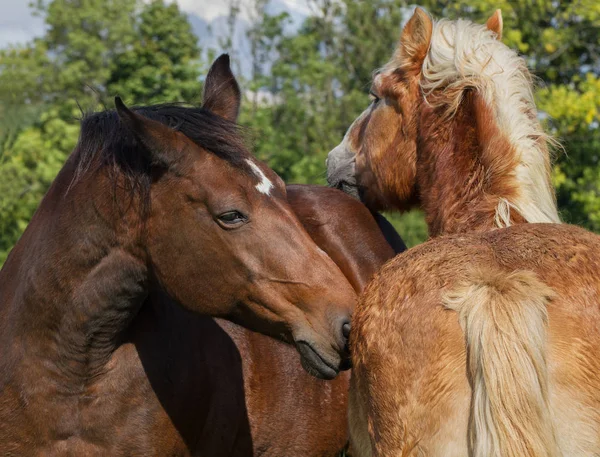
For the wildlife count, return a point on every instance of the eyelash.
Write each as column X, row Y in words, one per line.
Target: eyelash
column 374, row 97
column 232, row 219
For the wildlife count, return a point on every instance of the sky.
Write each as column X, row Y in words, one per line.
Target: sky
column 18, row 26
column 16, row 23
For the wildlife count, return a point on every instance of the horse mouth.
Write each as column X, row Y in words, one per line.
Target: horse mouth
column 314, row 363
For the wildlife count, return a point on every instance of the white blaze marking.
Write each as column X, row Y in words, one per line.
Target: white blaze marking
column 265, row 185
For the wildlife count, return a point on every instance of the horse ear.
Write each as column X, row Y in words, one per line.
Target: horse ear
column 222, row 94
column 158, row 139
column 415, row 40
column 494, row 24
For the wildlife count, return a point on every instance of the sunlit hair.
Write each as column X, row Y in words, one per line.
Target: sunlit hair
column 464, row 55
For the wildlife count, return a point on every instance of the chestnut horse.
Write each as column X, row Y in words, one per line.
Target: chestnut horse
column 460, row 107
column 163, row 198
column 480, row 342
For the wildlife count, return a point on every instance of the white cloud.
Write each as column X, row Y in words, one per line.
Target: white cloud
column 210, row 9
column 206, row 9
column 17, row 25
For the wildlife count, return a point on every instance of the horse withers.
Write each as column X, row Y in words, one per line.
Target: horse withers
column 357, row 240
column 158, row 197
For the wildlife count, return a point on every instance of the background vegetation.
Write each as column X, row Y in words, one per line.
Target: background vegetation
column 305, row 87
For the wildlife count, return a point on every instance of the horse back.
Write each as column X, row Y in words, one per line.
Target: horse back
column 409, row 354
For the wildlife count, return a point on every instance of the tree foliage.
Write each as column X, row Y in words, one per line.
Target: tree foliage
column 306, row 84
column 161, row 64
column 91, row 51
column 320, row 75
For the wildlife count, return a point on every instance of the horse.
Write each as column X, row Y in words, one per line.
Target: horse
column 358, row 241
column 482, row 340
column 463, row 107
column 156, row 198
column 261, row 400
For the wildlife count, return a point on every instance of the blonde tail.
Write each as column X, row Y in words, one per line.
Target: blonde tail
column 504, row 318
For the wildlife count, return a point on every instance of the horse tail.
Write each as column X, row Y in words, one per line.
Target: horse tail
column 504, row 318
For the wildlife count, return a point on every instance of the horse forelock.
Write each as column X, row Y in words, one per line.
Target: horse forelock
column 104, row 141
column 466, row 56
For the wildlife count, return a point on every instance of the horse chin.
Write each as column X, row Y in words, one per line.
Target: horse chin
column 314, row 363
column 341, row 171
column 348, row 188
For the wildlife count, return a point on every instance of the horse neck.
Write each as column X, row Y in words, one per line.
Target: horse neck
column 74, row 281
column 356, row 244
column 466, row 170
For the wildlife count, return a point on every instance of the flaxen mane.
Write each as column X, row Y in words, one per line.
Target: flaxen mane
column 464, row 55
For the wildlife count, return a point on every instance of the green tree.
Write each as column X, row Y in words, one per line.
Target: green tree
column 82, row 40
column 161, row 65
column 319, row 77
column 574, row 111
column 27, row 169
column 92, row 49
column 315, row 82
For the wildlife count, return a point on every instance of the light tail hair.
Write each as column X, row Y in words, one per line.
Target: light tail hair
column 505, row 319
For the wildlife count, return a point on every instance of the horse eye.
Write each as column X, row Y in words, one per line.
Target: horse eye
column 231, row 218
column 374, row 97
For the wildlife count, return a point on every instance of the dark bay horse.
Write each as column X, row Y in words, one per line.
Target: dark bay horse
column 162, row 199
column 346, row 230
column 222, row 390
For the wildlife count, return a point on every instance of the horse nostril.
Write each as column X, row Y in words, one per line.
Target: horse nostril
column 346, row 330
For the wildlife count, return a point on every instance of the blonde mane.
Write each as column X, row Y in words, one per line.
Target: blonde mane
column 463, row 54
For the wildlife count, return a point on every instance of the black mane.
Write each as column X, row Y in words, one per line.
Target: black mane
column 105, row 141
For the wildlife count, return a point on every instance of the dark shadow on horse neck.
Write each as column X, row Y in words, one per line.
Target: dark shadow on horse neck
column 389, row 232
column 195, row 370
